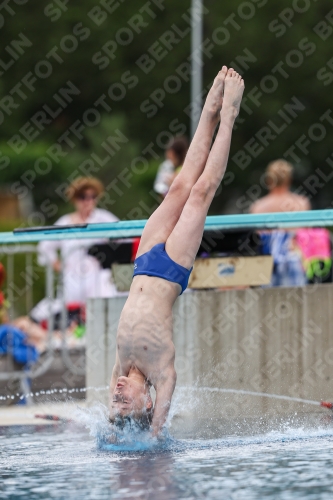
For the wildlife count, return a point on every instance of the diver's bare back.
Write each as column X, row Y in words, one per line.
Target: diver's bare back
column 144, row 338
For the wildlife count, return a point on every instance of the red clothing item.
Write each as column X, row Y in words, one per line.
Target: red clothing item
column 135, row 246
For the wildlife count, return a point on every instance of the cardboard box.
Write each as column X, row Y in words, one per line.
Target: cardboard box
column 231, row 271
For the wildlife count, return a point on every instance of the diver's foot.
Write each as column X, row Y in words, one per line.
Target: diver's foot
column 213, row 104
column 233, row 92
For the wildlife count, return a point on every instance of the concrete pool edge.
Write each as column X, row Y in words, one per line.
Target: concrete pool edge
column 25, row 415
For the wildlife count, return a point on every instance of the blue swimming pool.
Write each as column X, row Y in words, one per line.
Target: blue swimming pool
column 65, row 463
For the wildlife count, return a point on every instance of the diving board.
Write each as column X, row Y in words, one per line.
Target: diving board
column 134, row 228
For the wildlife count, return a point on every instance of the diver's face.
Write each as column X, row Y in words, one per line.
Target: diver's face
column 129, row 398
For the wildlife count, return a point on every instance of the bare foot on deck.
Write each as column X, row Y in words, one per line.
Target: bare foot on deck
column 233, row 92
column 213, row 104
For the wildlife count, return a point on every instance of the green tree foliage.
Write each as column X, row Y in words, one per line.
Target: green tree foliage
column 129, row 63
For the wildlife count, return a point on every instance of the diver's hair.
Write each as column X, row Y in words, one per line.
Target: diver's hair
column 140, row 422
column 278, row 173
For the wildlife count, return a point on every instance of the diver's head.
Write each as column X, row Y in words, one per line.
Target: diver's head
column 131, row 400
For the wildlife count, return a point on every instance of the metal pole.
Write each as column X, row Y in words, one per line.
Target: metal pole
column 50, row 298
column 196, row 63
column 10, row 284
column 29, row 276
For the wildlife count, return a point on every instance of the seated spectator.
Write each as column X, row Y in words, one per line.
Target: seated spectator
column 15, row 342
column 35, row 334
column 21, row 338
column 288, row 269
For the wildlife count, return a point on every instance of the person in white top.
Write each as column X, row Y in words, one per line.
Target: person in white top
column 83, row 276
column 174, row 159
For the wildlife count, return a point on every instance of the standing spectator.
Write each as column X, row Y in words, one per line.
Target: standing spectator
column 83, row 276
column 174, row 159
column 288, row 269
column 279, row 198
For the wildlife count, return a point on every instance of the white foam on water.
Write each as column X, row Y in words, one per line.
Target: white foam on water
column 109, row 437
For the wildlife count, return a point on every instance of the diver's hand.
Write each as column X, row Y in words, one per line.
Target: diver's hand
column 158, row 433
column 112, row 439
column 155, row 432
column 164, row 391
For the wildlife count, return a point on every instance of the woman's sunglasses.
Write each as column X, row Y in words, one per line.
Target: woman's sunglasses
column 86, row 196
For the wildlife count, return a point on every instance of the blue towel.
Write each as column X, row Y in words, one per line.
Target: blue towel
column 13, row 341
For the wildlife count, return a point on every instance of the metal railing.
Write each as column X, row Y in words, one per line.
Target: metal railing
column 7, row 257
column 9, row 253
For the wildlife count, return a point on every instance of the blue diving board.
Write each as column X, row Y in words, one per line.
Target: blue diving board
column 128, row 229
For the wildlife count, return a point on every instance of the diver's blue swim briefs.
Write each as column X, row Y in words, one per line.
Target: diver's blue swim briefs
column 157, row 263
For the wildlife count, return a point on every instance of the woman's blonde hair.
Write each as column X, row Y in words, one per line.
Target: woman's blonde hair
column 79, row 185
column 278, row 173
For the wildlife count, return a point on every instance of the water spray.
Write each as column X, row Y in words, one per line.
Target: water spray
column 56, row 418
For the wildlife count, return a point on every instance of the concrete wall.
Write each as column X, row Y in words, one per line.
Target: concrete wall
column 275, row 340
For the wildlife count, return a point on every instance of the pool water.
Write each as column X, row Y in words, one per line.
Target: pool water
column 65, row 462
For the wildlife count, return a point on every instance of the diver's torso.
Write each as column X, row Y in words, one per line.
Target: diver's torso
column 144, row 337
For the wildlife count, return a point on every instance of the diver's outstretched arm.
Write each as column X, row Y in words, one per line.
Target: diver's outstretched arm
column 114, row 378
column 164, row 392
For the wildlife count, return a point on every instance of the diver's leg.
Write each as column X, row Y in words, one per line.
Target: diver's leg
column 184, row 241
column 162, row 222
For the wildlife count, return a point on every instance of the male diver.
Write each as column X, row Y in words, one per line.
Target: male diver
column 169, row 244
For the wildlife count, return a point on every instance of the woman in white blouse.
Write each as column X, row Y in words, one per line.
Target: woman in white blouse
column 83, row 276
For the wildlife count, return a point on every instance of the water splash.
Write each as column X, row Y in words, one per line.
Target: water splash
column 109, row 437
column 131, row 439
column 192, row 403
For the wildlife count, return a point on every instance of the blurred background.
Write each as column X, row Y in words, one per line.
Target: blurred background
column 99, row 88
